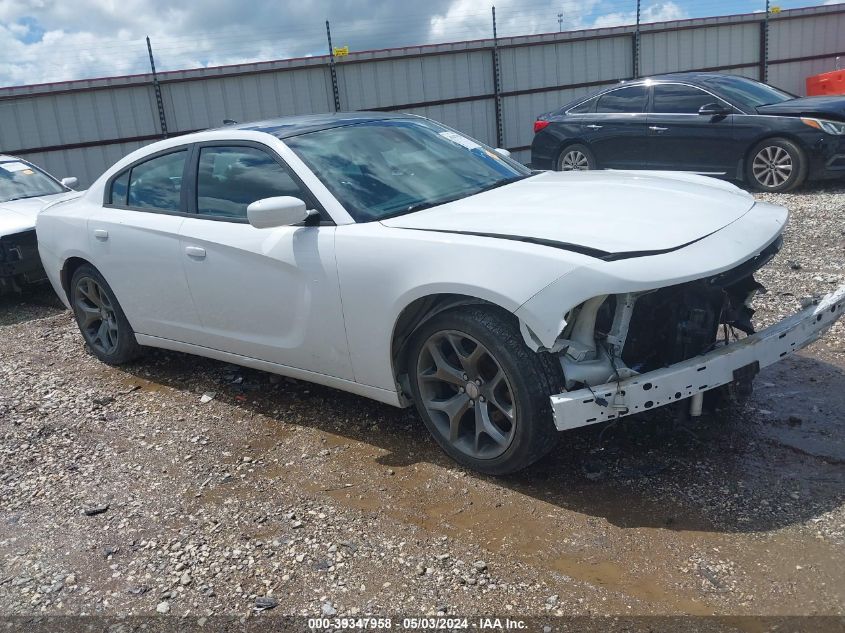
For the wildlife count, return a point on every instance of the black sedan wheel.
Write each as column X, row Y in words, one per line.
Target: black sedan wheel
column 100, row 318
column 776, row 165
column 483, row 395
column 576, row 158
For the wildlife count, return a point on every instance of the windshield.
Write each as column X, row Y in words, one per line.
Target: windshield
column 21, row 180
column 380, row 169
column 748, row 92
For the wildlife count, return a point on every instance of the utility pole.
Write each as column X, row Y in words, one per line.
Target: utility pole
column 157, row 89
column 560, row 22
column 497, row 86
column 332, row 69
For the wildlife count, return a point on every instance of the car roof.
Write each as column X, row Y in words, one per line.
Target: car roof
column 7, row 157
column 285, row 127
column 690, row 76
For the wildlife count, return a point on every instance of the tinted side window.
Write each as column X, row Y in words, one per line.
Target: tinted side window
column 587, row 106
column 631, row 99
column 675, row 99
column 229, row 179
column 119, row 187
column 157, row 183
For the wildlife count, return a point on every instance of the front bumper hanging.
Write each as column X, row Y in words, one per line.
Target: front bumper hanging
column 699, row 374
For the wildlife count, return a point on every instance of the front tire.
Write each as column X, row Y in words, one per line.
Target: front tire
column 482, row 394
column 101, row 319
column 776, row 165
column 576, row 158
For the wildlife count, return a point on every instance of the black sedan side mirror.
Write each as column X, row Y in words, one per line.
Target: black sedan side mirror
column 714, row 109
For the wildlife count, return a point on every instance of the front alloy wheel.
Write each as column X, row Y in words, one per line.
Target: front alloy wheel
column 772, row 166
column 481, row 392
column 776, row 165
column 467, row 395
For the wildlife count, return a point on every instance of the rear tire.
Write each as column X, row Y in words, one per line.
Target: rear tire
column 482, row 394
column 776, row 165
column 100, row 318
column 576, row 158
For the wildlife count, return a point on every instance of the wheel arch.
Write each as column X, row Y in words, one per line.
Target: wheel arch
column 412, row 317
column 70, row 266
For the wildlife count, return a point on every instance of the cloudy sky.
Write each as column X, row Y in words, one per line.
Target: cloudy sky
column 55, row 40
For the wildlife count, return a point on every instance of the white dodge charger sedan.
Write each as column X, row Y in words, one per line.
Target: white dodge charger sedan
column 395, row 258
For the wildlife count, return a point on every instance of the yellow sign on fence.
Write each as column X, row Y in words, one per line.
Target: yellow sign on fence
column 774, row 9
column 342, row 51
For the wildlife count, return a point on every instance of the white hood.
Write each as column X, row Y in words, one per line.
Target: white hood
column 20, row 215
column 610, row 211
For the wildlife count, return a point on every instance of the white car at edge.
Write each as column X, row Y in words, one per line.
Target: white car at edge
column 24, row 191
column 392, row 257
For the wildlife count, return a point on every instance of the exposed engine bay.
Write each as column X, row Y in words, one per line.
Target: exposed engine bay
column 612, row 337
column 20, row 263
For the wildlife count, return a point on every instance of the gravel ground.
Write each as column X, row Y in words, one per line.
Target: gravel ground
column 184, row 486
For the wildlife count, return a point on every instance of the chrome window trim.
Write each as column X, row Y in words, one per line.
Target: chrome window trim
column 681, row 83
column 609, row 90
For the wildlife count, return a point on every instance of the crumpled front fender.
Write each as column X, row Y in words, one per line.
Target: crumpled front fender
column 544, row 313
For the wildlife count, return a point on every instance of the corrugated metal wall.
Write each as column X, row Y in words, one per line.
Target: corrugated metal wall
column 80, row 128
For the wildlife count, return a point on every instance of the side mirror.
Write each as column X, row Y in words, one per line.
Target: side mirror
column 70, row 182
column 279, row 211
column 714, row 109
column 502, row 152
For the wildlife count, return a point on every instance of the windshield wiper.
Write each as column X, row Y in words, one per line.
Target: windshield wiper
column 419, row 206
column 35, row 195
column 502, row 183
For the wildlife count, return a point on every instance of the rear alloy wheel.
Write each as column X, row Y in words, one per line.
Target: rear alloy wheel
column 776, row 165
column 483, row 395
column 100, row 318
column 576, row 158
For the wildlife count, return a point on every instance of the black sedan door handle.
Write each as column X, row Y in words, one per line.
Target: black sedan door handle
column 594, row 127
column 657, row 128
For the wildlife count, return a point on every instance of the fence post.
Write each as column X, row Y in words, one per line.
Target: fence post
column 497, row 87
column 636, row 60
column 764, row 47
column 157, row 89
column 332, row 69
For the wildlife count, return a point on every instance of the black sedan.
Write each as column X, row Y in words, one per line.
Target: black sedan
column 719, row 125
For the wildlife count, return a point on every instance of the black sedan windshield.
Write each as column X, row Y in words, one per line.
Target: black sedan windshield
column 21, row 180
column 379, row 169
column 748, row 92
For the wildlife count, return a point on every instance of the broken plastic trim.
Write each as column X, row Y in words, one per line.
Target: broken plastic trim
column 566, row 246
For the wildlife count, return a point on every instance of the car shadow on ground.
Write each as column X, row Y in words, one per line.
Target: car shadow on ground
column 775, row 461
column 35, row 302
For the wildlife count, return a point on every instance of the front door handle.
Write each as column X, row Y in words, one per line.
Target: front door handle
column 594, row 127
column 657, row 128
column 101, row 234
column 197, row 252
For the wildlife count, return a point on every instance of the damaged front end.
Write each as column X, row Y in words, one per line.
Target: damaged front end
column 625, row 353
column 20, row 264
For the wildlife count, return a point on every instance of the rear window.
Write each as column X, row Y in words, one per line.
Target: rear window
column 625, row 100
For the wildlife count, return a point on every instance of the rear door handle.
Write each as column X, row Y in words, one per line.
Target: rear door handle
column 657, row 128
column 101, row 234
column 197, row 252
column 594, row 127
